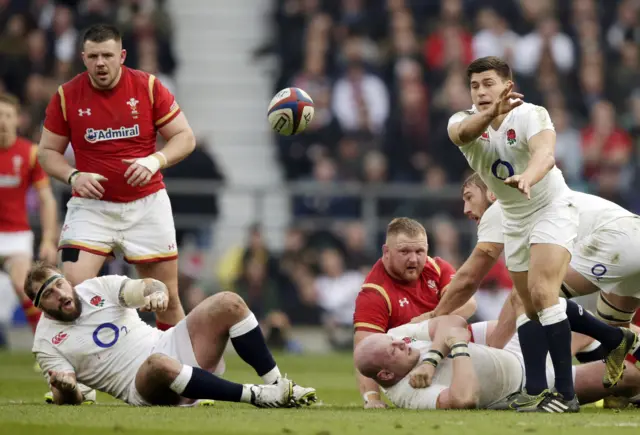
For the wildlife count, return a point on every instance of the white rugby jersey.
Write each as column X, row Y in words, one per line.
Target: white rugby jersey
column 499, row 374
column 499, row 154
column 594, row 213
column 104, row 346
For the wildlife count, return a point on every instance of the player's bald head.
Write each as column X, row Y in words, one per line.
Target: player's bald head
column 101, row 33
column 407, row 227
column 368, row 356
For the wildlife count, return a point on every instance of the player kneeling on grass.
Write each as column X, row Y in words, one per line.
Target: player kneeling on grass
column 92, row 334
column 410, row 363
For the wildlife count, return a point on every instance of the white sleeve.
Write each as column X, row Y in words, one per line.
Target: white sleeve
column 490, row 226
column 110, row 286
column 403, row 395
column 52, row 360
column 418, row 331
column 538, row 119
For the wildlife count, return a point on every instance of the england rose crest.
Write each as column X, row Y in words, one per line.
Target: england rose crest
column 97, row 301
column 511, row 136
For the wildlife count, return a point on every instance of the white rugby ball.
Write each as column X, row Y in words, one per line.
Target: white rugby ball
column 290, row 111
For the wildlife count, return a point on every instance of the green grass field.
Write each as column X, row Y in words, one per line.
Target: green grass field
column 22, row 410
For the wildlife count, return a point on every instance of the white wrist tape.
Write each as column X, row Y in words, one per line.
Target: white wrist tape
column 152, row 162
column 366, row 395
column 433, row 357
column 133, row 293
column 460, row 348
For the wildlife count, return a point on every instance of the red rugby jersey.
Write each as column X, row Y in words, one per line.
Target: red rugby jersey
column 384, row 303
column 19, row 169
column 107, row 126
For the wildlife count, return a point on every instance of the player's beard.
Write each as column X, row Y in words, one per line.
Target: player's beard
column 64, row 316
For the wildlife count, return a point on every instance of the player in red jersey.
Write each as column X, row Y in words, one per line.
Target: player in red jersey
column 111, row 115
column 403, row 284
column 20, row 170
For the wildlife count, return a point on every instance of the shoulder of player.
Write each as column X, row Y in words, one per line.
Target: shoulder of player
column 492, row 216
column 527, row 109
column 435, row 264
column 73, row 85
column 459, row 116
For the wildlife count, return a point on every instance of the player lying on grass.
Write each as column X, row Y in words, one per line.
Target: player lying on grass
column 92, row 334
column 605, row 258
column 409, row 363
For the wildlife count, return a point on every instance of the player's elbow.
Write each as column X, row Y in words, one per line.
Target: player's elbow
column 190, row 141
column 464, row 400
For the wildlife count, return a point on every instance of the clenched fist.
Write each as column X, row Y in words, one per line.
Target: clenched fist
column 421, row 376
column 156, row 302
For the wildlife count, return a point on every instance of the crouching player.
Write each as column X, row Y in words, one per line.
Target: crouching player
column 409, row 363
column 92, row 334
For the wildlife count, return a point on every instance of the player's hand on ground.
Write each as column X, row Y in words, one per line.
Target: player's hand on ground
column 457, row 335
column 141, row 170
column 507, row 101
column 87, row 185
column 423, row 317
column 375, row 404
column 521, row 183
column 156, row 302
column 63, row 381
column 421, row 376
column 48, row 252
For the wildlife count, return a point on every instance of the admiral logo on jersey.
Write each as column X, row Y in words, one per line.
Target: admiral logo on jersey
column 94, row 136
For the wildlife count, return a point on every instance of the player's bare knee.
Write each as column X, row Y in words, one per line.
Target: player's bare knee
column 231, row 304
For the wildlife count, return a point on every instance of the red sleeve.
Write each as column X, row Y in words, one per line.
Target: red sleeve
column 56, row 117
column 165, row 106
column 39, row 178
column 372, row 312
column 446, row 274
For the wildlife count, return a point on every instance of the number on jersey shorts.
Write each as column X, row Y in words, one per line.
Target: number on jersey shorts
column 608, row 257
column 143, row 230
column 501, row 169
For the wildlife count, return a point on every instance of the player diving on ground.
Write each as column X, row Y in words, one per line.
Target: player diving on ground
column 92, row 334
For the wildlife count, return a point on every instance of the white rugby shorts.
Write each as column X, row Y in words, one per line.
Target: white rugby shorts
column 479, row 331
column 143, row 229
column 16, row 243
column 610, row 257
column 556, row 223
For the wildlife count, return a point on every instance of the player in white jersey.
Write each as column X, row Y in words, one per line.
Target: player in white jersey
column 611, row 264
column 92, row 334
column 511, row 145
column 409, row 363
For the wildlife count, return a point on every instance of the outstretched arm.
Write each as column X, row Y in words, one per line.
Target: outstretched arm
column 369, row 389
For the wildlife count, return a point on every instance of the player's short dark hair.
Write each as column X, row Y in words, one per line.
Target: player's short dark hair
column 101, row 33
column 406, row 226
column 10, row 99
column 475, row 180
column 39, row 272
column 490, row 63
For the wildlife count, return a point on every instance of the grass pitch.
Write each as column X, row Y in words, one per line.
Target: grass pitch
column 22, row 410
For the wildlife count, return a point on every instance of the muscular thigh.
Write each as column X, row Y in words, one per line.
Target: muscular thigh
column 153, row 379
column 150, row 234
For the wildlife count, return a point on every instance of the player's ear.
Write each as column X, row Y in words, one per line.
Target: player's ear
column 491, row 196
column 385, row 375
column 123, row 56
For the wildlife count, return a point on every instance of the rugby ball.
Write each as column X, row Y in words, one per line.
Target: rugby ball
column 290, row 111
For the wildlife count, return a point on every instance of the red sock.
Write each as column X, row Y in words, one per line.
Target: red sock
column 163, row 326
column 31, row 313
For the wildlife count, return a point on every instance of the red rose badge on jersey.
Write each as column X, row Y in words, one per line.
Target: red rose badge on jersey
column 511, row 136
column 97, row 301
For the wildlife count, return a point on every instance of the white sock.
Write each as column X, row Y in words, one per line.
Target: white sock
column 272, row 376
column 180, row 382
column 245, row 325
column 552, row 315
column 246, row 393
column 521, row 320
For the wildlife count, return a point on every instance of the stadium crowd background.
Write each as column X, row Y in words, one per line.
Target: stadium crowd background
column 385, row 76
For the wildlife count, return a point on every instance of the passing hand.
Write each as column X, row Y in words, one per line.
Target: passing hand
column 423, row 317
column 521, row 183
column 48, row 252
column 506, row 102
